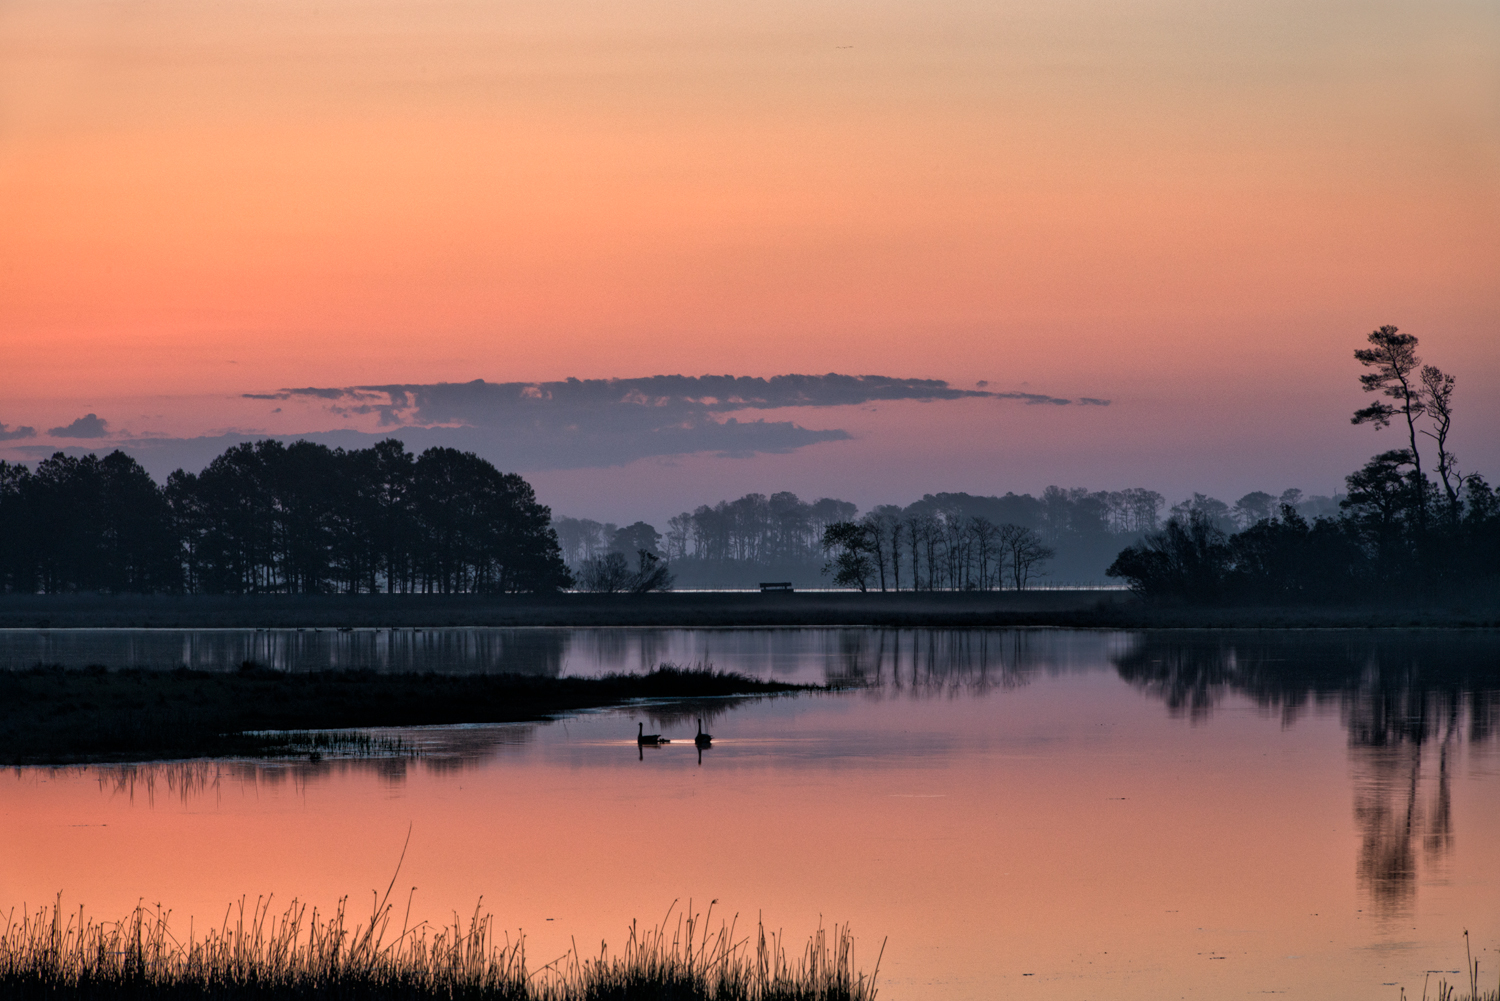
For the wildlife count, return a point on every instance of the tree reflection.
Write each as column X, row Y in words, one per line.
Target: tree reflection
column 933, row 661
column 1407, row 701
column 437, row 750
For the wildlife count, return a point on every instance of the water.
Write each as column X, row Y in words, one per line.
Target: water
column 814, row 655
column 1046, row 814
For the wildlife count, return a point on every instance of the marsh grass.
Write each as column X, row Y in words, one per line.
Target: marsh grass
column 331, row 743
column 51, row 715
column 1449, row 992
column 256, row 953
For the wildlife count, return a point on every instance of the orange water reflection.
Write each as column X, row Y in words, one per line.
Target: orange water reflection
column 1184, row 814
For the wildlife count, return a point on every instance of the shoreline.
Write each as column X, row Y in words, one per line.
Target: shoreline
column 55, row 716
column 962, row 610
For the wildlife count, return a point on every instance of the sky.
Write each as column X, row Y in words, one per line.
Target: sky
column 1148, row 235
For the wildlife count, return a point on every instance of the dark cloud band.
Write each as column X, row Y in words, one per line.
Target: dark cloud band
column 12, row 434
column 87, row 426
column 572, row 423
column 660, row 400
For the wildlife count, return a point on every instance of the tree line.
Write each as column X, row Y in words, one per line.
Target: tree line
column 1397, row 533
column 944, row 541
column 972, row 554
column 265, row 517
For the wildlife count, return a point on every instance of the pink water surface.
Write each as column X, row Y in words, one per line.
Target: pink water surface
column 1051, row 834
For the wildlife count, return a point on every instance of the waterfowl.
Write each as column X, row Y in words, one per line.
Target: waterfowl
column 642, row 737
column 703, row 739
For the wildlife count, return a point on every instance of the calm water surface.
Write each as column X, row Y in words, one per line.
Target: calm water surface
column 807, row 654
column 1044, row 814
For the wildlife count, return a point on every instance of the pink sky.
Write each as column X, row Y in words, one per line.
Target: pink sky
column 1194, row 210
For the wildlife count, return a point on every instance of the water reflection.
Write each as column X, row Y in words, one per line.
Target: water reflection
column 844, row 656
column 203, row 782
column 1407, row 701
column 1414, row 706
column 435, row 750
column 454, row 651
column 986, row 798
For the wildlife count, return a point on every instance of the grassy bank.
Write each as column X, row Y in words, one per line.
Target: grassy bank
column 258, row 956
column 1077, row 609
column 58, row 716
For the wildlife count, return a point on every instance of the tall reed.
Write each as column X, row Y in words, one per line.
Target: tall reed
column 300, row 954
column 1449, row 992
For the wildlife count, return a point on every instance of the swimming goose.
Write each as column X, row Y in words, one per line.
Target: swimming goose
column 703, row 739
column 642, row 737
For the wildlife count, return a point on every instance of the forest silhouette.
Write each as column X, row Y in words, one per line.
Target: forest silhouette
column 1398, row 533
column 941, row 542
column 265, row 517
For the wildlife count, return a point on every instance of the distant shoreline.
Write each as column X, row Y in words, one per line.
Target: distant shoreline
column 1081, row 609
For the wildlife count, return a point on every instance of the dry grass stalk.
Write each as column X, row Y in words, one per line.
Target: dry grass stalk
column 299, row 953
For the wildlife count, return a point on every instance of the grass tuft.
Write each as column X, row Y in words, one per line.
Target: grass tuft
column 299, row 954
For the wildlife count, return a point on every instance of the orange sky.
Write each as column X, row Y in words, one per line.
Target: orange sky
column 1193, row 209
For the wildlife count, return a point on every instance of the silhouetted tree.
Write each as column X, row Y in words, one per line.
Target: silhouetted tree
column 1381, row 540
column 1437, row 400
column 988, row 553
column 87, row 524
column 679, row 531
column 482, row 530
column 304, row 518
column 878, row 526
column 1214, row 510
column 606, row 574
column 1382, row 510
column 1288, row 559
column 611, row 574
column 390, row 472
column 851, row 564
column 1025, row 554
column 1187, row 560
column 941, row 541
column 652, row 573
column 635, row 538
column 1253, row 507
column 1393, row 357
column 19, row 540
column 581, row 539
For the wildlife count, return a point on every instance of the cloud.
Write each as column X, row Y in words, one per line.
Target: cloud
column 526, row 451
column 11, row 434
column 655, row 402
column 1031, row 399
column 569, row 424
column 88, row 426
column 581, row 423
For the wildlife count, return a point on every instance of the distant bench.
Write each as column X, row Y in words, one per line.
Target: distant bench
column 775, row 585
